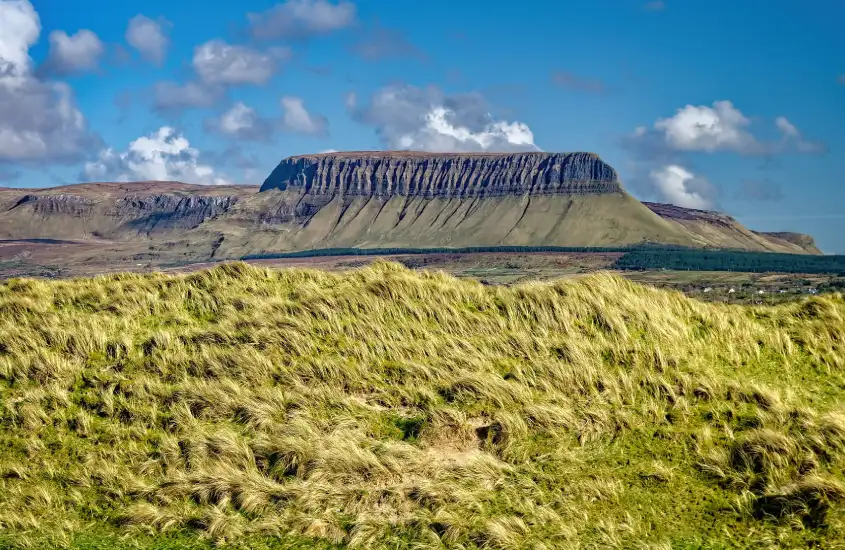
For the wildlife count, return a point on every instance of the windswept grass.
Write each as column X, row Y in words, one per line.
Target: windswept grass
column 383, row 408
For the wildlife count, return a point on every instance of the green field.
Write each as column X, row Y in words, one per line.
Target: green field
column 387, row 408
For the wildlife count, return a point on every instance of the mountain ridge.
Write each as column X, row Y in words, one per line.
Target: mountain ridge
column 374, row 200
column 406, row 173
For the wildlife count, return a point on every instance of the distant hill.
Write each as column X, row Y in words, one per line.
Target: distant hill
column 722, row 231
column 374, row 200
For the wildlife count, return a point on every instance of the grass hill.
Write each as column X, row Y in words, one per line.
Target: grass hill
column 385, row 408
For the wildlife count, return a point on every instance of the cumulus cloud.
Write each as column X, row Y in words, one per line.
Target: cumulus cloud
column 20, row 28
column 39, row 120
column 297, row 119
column 217, row 62
column 243, row 123
column 74, row 53
column 710, row 129
column 218, row 66
column 301, row 19
column 164, row 155
column 701, row 128
column 149, row 37
column 407, row 117
column 679, row 186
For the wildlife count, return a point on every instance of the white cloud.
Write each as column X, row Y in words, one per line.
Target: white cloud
column 302, row 18
column 245, row 123
column 149, row 37
column 786, row 128
column 39, row 120
column 164, row 155
column 242, row 122
column 238, row 118
column 20, row 27
column 439, row 134
column 791, row 136
column 701, row 128
column 217, row 62
column 296, row 118
column 74, row 53
column 406, row 117
column 721, row 127
column 681, row 187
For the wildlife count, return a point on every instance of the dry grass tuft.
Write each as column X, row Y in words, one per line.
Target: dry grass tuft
column 384, row 408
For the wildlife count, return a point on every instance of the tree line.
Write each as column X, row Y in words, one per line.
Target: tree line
column 638, row 257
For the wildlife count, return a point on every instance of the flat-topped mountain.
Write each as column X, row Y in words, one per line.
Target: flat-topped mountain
column 376, row 200
column 405, row 173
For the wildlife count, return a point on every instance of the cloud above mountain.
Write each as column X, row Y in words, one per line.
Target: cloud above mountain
column 427, row 119
column 679, row 186
column 665, row 149
column 721, row 127
column 164, row 155
column 241, row 122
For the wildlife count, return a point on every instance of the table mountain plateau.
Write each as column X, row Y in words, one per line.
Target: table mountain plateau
column 377, row 199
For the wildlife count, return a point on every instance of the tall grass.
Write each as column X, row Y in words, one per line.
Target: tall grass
column 383, row 408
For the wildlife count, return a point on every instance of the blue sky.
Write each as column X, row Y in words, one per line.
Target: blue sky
column 736, row 106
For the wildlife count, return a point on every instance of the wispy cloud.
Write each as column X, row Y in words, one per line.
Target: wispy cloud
column 577, row 83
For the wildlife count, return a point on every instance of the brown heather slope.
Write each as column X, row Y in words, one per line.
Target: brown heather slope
column 374, row 199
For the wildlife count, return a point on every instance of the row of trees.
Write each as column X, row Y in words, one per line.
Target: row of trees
column 729, row 260
column 641, row 257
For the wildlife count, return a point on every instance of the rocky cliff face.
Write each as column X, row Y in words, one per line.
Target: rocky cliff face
column 159, row 212
column 104, row 213
column 62, row 203
column 403, row 173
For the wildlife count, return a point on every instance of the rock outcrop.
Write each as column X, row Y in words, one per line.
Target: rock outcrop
column 62, row 203
column 148, row 213
column 405, row 173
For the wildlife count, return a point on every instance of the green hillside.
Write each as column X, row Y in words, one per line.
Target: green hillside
column 384, row 408
column 613, row 219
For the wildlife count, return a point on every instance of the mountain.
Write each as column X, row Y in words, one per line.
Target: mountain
column 376, row 199
column 714, row 229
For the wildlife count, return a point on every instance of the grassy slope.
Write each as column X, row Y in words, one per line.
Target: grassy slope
column 387, row 408
column 562, row 220
column 559, row 220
